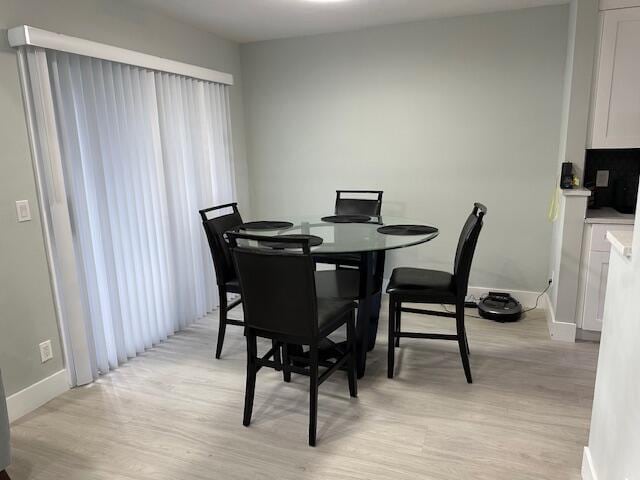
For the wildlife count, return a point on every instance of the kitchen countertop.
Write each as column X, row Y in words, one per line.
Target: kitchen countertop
column 576, row 192
column 608, row 215
column 621, row 241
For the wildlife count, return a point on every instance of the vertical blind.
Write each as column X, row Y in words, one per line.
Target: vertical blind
column 140, row 152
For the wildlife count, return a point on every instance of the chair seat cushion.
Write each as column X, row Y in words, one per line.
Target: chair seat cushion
column 332, row 313
column 233, row 286
column 422, row 283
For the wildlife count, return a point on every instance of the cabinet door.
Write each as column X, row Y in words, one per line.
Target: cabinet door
column 616, row 110
column 595, row 290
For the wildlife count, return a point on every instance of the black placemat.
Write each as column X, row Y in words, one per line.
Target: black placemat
column 407, row 229
column 346, row 219
column 314, row 241
column 265, row 225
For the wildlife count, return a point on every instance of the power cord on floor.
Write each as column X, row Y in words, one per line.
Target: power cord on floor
column 466, row 314
column 538, row 298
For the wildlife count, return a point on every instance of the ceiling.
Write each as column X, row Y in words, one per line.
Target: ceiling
column 256, row 20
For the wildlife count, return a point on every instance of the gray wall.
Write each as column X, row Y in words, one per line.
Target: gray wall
column 27, row 314
column 437, row 113
column 566, row 240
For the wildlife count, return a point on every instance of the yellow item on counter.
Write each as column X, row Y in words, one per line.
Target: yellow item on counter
column 554, row 206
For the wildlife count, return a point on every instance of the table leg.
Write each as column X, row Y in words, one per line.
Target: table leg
column 374, row 309
column 364, row 311
column 376, row 298
column 371, row 278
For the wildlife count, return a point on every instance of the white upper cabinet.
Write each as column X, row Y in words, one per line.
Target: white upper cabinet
column 615, row 113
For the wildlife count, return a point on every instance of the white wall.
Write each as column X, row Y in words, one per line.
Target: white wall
column 27, row 314
column 437, row 113
column 566, row 239
column 566, row 248
column 614, row 439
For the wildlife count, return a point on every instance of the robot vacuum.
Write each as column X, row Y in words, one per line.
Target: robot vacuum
column 500, row 307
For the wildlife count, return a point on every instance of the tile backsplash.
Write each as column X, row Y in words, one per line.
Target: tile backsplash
column 623, row 167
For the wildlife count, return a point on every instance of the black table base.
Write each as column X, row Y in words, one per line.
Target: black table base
column 371, row 276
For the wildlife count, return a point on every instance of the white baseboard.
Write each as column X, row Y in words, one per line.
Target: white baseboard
column 588, row 472
column 36, row 395
column 562, row 331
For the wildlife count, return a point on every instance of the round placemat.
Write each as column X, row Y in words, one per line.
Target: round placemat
column 314, row 241
column 346, row 219
column 407, row 229
column 265, row 225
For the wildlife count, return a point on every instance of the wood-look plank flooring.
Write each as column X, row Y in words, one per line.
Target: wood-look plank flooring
column 176, row 413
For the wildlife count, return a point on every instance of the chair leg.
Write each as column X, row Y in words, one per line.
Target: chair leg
column 313, row 393
column 466, row 341
column 398, row 324
column 392, row 328
column 4, row 475
column 223, row 320
column 462, row 341
column 252, row 353
column 276, row 355
column 351, row 365
column 286, row 372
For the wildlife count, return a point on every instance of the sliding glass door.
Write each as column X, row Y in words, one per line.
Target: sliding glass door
column 139, row 153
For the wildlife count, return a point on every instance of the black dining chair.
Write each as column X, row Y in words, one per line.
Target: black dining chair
column 351, row 202
column 329, row 283
column 417, row 285
column 226, row 277
column 280, row 303
column 359, row 202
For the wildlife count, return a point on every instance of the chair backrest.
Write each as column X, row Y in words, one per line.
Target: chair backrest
column 467, row 246
column 215, row 229
column 358, row 205
column 278, row 286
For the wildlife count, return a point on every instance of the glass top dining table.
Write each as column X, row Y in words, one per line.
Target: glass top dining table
column 357, row 237
column 361, row 239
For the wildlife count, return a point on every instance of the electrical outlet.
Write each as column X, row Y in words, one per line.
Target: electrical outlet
column 23, row 210
column 602, row 178
column 46, row 352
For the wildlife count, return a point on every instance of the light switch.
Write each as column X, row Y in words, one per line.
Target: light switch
column 24, row 212
column 602, row 178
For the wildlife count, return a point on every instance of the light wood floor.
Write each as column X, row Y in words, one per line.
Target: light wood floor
column 176, row 413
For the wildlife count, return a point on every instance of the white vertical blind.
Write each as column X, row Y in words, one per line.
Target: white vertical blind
column 142, row 152
column 197, row 146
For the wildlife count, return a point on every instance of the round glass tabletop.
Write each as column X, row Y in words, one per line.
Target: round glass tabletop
column 348, row 237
